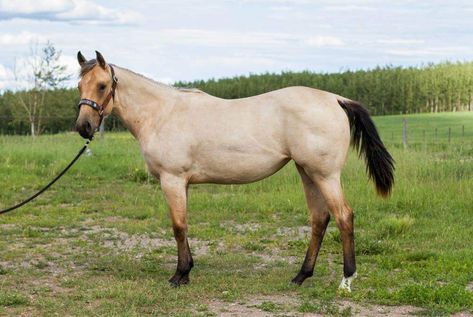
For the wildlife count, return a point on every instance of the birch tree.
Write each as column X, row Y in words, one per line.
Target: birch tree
column 41, row 71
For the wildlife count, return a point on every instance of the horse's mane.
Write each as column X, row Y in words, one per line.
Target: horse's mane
column 87, row 66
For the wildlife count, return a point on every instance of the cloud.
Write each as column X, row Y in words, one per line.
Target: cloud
column 429, row 52
column 73, row 11
column 34, row 6
column 349, row 8
column 323, row 41
column 243, row 39
column 7, row 78
column 23, row 38
column 400, row 41
column 289, row 2
column 221, row 38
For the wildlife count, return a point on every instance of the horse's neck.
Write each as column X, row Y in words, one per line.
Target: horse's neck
column 139, row 100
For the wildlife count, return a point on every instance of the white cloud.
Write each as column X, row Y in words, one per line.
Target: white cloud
column 323, row 41
column 221, row 38
column 5, row 73
column 7, row 78
column 289, row 2
column 23, row 38
column 34, row 6
column 429, row 52
column 72, row 69
column 243, row 39
column 400, row 41
column 91, row 12
column 75, row 11
column 237, row 61
column 349, row 8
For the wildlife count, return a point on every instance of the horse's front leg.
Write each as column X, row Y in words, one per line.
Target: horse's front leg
column 175, row 192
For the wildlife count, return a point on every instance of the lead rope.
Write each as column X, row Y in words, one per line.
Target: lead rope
column 24, row 202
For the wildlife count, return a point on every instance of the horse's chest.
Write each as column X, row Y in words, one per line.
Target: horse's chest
column 165, row 156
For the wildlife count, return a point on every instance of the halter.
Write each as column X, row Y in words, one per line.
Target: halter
column 101, row 108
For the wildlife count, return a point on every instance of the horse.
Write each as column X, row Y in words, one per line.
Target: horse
column 188, row 137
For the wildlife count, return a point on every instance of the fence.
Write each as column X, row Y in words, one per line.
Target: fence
column 427, row 136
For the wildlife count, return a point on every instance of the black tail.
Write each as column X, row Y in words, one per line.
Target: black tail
column 365, row 138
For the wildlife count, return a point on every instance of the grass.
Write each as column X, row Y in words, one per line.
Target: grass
column 99, row 242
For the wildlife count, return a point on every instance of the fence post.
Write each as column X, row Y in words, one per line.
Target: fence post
column 404, row 132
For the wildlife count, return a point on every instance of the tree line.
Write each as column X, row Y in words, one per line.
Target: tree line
column 384, row 90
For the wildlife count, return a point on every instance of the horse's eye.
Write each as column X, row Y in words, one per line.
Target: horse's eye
column 102, row 87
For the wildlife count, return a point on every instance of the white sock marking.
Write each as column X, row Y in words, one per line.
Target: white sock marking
column 345, row 284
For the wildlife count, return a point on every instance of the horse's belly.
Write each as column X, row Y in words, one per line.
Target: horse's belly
column 236, row 168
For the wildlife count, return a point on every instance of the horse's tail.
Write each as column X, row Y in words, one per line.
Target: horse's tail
column 365, row 139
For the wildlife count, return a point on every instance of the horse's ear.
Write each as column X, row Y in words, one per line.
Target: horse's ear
column 80, row 58
column 100, row 59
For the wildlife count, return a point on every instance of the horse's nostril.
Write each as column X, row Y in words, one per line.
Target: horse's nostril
column 88, row 128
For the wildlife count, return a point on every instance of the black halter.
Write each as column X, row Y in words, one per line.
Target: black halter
column 94, row 105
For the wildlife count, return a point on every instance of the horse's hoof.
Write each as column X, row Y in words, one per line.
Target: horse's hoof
column 299, row 279
column 178, row 280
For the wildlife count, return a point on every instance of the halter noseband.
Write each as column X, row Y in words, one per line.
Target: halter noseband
column 101, row 108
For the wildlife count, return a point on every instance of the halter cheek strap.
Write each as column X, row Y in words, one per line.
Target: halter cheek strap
column 101, row 108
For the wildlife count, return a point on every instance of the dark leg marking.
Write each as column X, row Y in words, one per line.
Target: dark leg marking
column 184, row 258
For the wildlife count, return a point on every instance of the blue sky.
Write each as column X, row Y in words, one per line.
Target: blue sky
column 187, row 40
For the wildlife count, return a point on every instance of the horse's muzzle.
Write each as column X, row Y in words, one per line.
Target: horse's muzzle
column 86, row 129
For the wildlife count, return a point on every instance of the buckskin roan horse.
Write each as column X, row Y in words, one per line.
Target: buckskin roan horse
column 190, row 137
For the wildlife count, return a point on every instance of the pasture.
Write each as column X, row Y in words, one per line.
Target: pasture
column 100, row 241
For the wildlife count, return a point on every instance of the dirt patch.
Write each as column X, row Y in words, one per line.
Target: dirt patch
column 378, row 310
column 7, row 226
column 123, row 242
column 298, row 233
column 469, row 287
column 260, row 306
column 462, row 314
column 294, row 233
column 240, row 228
column 289, row 305
column 268, row 258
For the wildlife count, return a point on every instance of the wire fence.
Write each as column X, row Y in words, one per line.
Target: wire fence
column 428, row 136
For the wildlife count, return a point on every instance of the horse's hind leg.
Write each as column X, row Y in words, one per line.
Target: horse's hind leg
column 320, row 218
column 175, row 192
column 331, row 191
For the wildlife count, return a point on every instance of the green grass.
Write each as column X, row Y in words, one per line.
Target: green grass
column 100, row 241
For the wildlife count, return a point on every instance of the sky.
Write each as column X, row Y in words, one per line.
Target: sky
column 187, row 40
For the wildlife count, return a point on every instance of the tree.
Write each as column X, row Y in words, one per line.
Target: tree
column 42, row 72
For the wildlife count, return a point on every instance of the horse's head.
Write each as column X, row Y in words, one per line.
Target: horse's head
column 97, row 88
